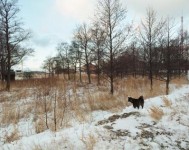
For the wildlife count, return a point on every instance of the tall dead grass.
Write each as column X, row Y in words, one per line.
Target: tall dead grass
column 52, row 105
column 10, row 114
column 167, row 102
column 136, row 87
column 180, row 81
column 156, row 113
column 13, row 136
column 2, row 86
column 105, row 101
column 74, row 100
column 89, row 141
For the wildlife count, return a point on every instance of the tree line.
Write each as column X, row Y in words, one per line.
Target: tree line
column 158, row 48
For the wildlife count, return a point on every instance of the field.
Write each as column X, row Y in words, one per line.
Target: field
column 51, row 113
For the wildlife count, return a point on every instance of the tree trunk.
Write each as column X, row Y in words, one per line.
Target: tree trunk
column 87, row 65
column 8, row 57
column 111, row 67
column 80, row 78
column 98, row 69
column 68, row 71
column 46, row 113
column 55, row 117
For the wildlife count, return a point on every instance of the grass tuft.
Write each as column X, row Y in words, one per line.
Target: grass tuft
column 156, row 113
column 13, row 136
column 89, row 141
column 167, row 102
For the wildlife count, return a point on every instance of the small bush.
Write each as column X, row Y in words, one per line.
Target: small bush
column 10, row 114
column 40, row 126
column 13, row 136
column 89, row 141
column 167, row 102
column 156, row 113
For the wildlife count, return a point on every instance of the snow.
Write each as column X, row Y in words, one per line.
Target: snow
column 136, row 131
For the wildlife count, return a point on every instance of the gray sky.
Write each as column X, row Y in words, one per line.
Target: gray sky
column 53, row 21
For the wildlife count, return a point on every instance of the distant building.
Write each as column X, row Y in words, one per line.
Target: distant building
column 20, row 75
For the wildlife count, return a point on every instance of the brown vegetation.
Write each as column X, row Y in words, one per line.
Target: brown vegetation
column 13, row 136
column 156, row 113
column 38, row 97
column 167, row 102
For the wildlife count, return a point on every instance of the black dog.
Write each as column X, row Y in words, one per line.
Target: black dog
column 137, row 102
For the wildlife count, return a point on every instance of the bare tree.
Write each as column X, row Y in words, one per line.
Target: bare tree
column 50, row 65
column 186, row 49
column 168, row 54
column 150, row 31
column 11, row 27
column 173, row 57
column 63, row 52
column 134, row 55
column 83, row 37
column 74, row 57
column 98, row 41
column 111, row 15
column 55, row 111
column 2, row 56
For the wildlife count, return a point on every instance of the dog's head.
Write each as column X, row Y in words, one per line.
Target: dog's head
column 130, row 99
column 141, row 97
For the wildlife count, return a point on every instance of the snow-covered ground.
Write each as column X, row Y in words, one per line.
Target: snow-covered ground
column 129, row 129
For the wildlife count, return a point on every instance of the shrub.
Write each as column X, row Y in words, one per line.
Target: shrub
column 167, row 102
column 13, row 136
column 156, row 113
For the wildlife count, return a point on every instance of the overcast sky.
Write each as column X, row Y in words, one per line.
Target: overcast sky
column 53, row 21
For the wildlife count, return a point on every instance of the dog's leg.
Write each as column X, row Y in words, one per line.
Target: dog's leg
column 142, row 104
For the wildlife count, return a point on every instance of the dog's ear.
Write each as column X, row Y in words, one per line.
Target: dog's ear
column 129, row 99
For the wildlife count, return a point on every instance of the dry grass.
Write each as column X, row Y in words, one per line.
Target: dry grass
column 2, row 86
column 47, row 111
column 10, row 114
column 80, row 114
column 156, row 113
column 167, row 102
column 89, row 141
column 37, row 147
column 3, row 97
column 180, row 81
column 136, row 87
column 40, row 125
column 74, row 100
column 53, row 145
column 105, row 101
column 13, row 136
